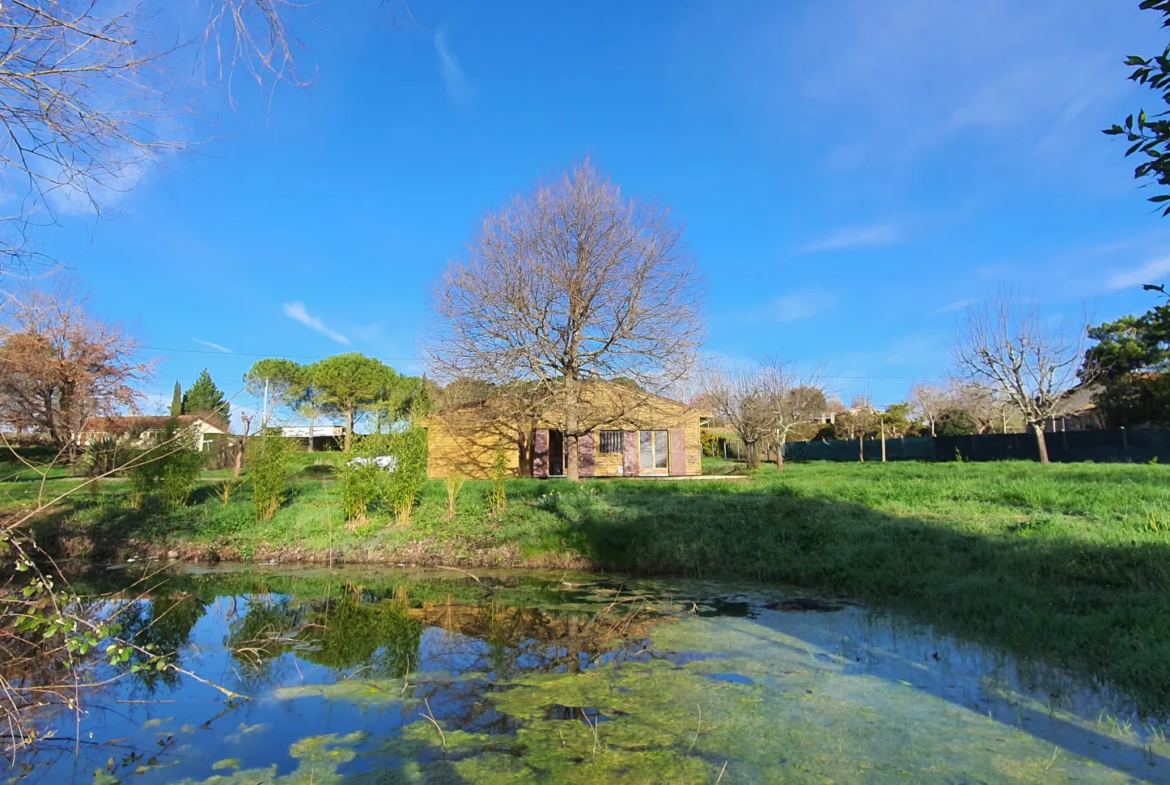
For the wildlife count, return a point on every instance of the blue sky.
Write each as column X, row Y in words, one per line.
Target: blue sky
column 849, row 174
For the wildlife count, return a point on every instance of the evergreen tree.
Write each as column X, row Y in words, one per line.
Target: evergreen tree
column 177, row 401
column 205, row 398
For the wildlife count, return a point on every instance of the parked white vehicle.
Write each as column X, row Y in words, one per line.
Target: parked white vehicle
column 387, row 462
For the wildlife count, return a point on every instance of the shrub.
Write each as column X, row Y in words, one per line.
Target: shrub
column 169, row 468
column 453, row 484
column 497, row 493
column 360, row 480
column 180, row 472
column 709, row 442
column 402, row 485
column 101, row 456
column 268, row 459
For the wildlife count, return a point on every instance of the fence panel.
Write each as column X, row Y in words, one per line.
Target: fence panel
column 1113, row 446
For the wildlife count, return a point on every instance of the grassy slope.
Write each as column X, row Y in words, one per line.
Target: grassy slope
column 1069, row 562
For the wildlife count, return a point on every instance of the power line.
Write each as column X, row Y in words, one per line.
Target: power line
column 262, row 354
column 413, row 359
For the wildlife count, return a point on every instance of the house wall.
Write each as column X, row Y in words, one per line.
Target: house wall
column 459, row 445
column 460, row 442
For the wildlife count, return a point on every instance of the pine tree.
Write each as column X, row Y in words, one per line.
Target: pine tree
column 177, row 401
column 205, row 398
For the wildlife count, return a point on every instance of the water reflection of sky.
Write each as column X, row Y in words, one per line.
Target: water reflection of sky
column 183, row 728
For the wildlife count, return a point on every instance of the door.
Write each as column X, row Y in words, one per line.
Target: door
column 556, row 454
column 653, row 452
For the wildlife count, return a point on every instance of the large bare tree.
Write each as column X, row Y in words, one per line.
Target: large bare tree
column 765, row 405
column 59, row 366
column 568, row 284
column 1009, row 348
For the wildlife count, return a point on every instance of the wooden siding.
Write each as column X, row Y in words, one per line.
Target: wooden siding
column 462, row 443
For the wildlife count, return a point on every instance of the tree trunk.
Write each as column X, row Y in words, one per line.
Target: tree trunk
column 861, row 447
column 573, row 469
column 751, row 455
column 1041, row 442
column 348, row 427
column 932, row 431
column 780, row 455
column 312, row 421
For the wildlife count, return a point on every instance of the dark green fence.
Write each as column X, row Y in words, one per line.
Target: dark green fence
column 1116, row 446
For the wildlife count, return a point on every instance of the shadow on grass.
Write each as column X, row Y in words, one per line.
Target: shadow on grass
column 1099, row 611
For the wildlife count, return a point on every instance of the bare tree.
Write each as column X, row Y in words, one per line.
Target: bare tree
column 59, row 366
column 91, row 94
column 1013, row 351
column 929, row 401
column 569, row 284
column 765, row 406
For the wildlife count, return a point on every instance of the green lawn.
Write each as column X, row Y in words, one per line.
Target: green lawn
column 1066, row 562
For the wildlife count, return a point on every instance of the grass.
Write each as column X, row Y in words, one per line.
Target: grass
column 1067, row 563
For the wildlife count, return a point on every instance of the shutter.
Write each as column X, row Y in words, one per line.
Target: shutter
column 678, row 452
column 630, row 453
column 585, row 450
column 540, row 453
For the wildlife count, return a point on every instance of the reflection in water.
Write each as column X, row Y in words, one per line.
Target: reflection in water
column 412, row 677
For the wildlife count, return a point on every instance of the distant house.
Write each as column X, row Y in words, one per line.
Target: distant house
column 141, row 430
column 636, row 435
column 1077, row 411
column 324, row 437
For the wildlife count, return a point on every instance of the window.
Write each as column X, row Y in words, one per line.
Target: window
column 611, row 442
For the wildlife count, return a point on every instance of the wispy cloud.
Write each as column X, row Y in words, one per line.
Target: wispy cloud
column 794, row 306
column 297, row 312
column 216, row 346
column 872, row 236
column 450, row 69
column 1150, row 272
column 957, row 305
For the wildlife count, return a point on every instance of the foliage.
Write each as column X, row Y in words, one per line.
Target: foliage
column 59, row 366
column 1149, row 135
column 896, row 418
column 180, row 472
column 277, row 381
column 497, row 496
column 1132, row 356
column 361, row 482
column 956, row 422
column 709, row 441
column 101, row 456
column 345, row 383
column 453, row 484
column 168, row 468
column 268, row 456
column 409, row 448
column 204, row 398
column 177, row 400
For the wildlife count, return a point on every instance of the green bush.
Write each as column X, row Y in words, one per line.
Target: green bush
column 361, row 484
column 169, row 468
column 497, row 494
column 180, row 472
column 401, row 487
column 268, row 456
column 101, row 456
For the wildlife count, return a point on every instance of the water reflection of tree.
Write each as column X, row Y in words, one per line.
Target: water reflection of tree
column 162, row 625
column 378, row 636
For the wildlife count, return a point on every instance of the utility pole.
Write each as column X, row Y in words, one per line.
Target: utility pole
column 883, row 421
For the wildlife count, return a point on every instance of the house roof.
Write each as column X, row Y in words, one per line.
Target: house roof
column 120, row 425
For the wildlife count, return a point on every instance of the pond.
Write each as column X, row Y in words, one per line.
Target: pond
column 410, row 676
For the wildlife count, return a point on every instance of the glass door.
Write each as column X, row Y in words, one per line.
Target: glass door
column 653, row 452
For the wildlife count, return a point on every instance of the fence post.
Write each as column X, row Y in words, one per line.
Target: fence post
column 883, row 441
column 1124, row 444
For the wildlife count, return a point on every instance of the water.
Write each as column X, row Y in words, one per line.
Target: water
column 431, row 676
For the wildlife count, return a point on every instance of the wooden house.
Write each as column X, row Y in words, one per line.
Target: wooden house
column 622, row 432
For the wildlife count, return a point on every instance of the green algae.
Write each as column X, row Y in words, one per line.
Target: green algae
column 794, row 714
